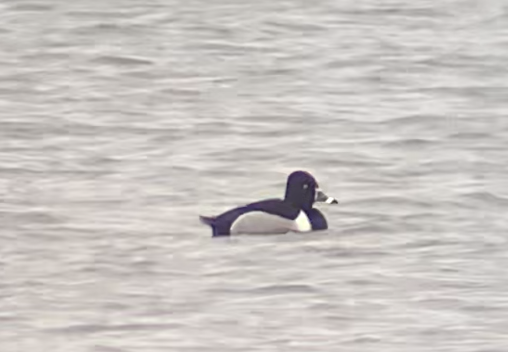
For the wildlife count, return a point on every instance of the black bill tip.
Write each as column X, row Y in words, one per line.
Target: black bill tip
column 322, row 197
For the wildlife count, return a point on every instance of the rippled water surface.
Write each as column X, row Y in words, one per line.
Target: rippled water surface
column 121, row 121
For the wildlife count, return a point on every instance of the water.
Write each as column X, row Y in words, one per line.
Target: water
column 121, row 121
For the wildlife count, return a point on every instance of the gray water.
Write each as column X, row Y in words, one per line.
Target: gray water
column 121, row 121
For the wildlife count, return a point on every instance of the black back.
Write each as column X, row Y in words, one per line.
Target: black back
column 301, row 190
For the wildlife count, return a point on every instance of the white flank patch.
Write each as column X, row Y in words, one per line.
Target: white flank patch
column 258, row 222
column 302, row 223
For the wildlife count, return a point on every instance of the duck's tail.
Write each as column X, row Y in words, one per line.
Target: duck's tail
column 210, row 221
column 207, row 220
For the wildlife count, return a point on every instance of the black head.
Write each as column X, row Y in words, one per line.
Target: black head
column 302, row 190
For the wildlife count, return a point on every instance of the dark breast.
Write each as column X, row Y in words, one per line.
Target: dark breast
column 317, row 219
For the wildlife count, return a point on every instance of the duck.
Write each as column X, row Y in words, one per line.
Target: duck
column 294, row 213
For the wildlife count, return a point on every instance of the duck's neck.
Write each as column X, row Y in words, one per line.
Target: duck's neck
column 299, row 202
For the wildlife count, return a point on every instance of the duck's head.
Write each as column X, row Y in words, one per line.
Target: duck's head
column 303, row 190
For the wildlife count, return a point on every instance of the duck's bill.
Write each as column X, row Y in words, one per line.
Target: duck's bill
column 322, row 197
